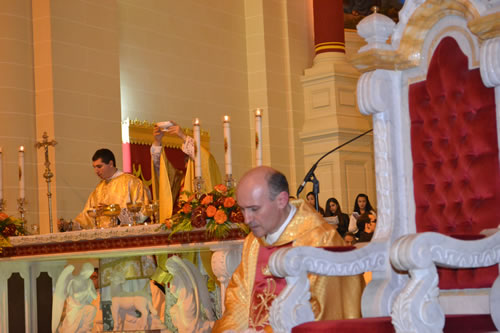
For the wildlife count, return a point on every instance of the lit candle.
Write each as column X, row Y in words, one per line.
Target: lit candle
column 227, row 146
column 21, row 172
column 1, row 175
column 258, row 137
column 197, row 139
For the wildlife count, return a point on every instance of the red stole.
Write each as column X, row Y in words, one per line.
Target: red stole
column 266, row 288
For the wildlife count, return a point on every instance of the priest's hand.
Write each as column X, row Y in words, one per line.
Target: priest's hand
column 176, row 130
column 158, row 135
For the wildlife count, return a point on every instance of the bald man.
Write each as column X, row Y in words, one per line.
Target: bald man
column 275, row 222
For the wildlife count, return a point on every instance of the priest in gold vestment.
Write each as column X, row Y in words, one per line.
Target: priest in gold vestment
column 275, row 223
column 115, row 187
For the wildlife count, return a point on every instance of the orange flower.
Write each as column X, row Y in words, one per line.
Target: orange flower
column 211, row 210
column 186, row 208
column 220, row 217
column 221, row 188
column 168, row 223
column 207, row 200
column 3, row 216
column 229, row 202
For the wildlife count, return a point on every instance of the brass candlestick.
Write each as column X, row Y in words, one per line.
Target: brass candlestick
column 229, row 180
column 47, row 174
column 198, row 184
column 20, row 207
column 2, row 204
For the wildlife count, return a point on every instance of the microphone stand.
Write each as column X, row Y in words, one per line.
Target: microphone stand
column 311, row 177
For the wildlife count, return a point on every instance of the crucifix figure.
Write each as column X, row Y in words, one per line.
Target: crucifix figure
column 45, row 143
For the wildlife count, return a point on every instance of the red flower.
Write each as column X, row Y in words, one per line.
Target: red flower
column 211, row 210
column 221, row 188
column 186, row 208
column 9, row 230
column 229, row 202
column 220, row 217
column 3, row 216
column 237, row 216
column 199, row 217
column 207, row 200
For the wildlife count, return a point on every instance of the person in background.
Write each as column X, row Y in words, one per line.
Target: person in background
column 362, row 207
column 312, row 201
column 370, row 222
column 349, row 239
column 332, row 208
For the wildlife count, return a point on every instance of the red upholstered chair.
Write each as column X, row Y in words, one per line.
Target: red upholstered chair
column 433, row 92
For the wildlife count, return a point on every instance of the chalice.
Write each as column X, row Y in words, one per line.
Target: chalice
column 152, row 210
column 112, row 211
column 94, row 213
column 134, row 208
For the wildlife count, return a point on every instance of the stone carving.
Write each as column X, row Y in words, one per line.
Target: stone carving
column 490, row 64
column 77, row 292
column 416, row 308
column 193, row 311
column 125, row 305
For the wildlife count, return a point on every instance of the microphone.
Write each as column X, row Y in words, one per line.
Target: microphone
column 310, row 175
column 307, row 178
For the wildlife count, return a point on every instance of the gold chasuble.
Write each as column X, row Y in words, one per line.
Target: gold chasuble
column 120, row 189
column 167, row 184
column 252, row 288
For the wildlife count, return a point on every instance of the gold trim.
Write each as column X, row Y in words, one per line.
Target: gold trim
column 420, row 23
column 486, row 27
column 140, row 132
column 329, row 47
column 329, row 43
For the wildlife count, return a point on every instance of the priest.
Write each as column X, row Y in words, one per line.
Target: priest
column 116, row 187
column 263, row 197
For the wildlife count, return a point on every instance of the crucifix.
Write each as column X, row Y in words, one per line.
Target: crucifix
column 47, row 174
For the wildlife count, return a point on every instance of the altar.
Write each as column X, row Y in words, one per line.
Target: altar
column 29, row 272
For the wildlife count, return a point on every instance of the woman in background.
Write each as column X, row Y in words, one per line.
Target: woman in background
column 312, row 201
column 333, row 209
column 362, row 207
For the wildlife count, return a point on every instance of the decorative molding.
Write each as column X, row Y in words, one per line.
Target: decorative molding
column 141, row 132
column 417, row 308
column 298, row 260
column 87, row 246
column 490, row 62
column 224, row 263
column 486, row 27
column 409, row 34
column 376, row 91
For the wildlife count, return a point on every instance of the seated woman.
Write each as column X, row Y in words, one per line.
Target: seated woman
column 362, row 207
column 312, row 201
column 370, row 222
column 333, row 209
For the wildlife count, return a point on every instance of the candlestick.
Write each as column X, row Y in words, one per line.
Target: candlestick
column 258, row 137
column 45, row 143
column 227, row 146
column 197, row 139
column 20, row 207
column 21, row 172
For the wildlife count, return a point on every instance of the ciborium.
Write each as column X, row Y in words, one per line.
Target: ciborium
column 112, row 211
column 134, row 208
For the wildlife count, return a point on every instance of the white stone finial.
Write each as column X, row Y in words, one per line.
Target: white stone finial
column 376, row 30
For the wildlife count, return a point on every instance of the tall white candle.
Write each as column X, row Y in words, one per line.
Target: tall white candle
column 227, row 146
column 197, row 139
column 1, row 175
column 258, row 137
column 21, row 172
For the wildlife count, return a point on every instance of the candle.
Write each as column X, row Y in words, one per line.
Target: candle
column 258, row 137
column 227, row 146
column 197, row 139
column 1, row 176
column 21, row 172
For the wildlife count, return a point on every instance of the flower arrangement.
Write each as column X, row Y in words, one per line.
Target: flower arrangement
column 9, row 226
column 217, row 211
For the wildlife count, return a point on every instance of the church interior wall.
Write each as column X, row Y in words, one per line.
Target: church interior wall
column 77, row 69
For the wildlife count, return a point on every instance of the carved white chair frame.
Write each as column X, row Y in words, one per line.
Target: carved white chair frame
column 388, row 69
